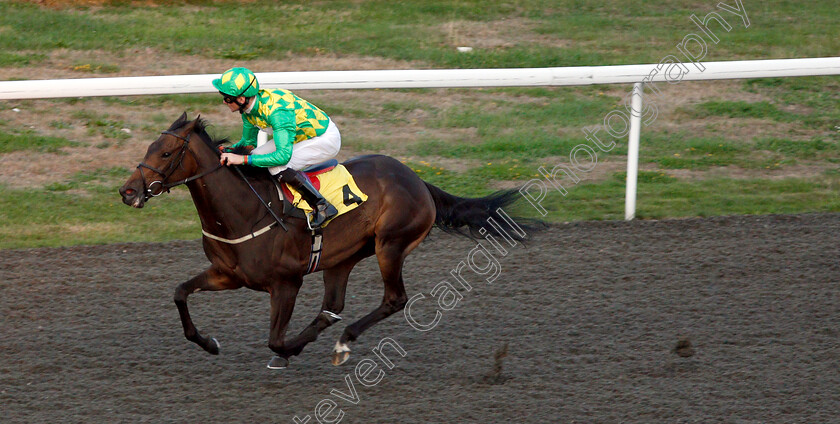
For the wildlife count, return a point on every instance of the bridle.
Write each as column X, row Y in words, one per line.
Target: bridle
column 170, row 169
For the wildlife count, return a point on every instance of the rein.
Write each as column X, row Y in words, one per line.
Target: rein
column 266, row 205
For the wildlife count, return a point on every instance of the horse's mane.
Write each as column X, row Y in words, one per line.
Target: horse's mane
column 201, row 130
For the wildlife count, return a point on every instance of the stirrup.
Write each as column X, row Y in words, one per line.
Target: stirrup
column 319, row 216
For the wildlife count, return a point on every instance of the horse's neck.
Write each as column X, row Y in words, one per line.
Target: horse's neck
column 224, row 202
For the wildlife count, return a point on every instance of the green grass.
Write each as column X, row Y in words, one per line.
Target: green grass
column 96, row 68
column 505, row 169
column 638, row 31
column 740, row 109
column 362, row 145
column 566, row 108
column 698, row 153
column 60, row 216
column 520, row 144
column 677, row 150
column 185, row 101
column 805, row 149
column 352, row 109
column 456, row 183
column 528, row 128
column 646, row 177
column 92, row 180
column 818, row 97
column 662, row 197
column 20, row 59
column 30, row 141
column 86, row 209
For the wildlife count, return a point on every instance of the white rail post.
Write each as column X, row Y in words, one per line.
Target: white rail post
column 633, row 152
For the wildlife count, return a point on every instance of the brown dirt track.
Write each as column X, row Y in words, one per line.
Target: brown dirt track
column 591, row 313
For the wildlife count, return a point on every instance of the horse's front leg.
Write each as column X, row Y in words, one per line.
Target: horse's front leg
column 335, row 285
column 210, row 280
column 283, row 297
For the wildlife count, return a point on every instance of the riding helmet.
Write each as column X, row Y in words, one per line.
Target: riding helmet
column 237, row 82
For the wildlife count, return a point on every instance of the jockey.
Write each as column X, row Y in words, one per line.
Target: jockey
column 303, row 135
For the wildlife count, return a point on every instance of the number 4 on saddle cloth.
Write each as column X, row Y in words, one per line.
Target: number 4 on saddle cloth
column 334, row 182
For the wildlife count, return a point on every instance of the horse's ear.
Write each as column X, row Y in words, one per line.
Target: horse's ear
column 179, row 122
column 195, row 123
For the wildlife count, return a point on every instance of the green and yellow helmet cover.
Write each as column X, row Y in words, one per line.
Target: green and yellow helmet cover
column 237, row 82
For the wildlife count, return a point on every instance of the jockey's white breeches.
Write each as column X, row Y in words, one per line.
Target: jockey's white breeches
column 307, row 152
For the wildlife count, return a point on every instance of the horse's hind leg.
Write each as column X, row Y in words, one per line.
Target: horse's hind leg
column 391, row 256
column 209, row 280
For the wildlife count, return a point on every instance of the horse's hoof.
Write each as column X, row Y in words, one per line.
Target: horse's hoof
column 214, row 346
column 340, row 358
column 278, row 363
column 341, row 353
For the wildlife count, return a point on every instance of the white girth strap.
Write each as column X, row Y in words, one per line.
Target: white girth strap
column 315, row 251
column 255, row 234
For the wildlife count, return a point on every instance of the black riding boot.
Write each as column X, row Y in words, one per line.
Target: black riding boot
column 322, row 210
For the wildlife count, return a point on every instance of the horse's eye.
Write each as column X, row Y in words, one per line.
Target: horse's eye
column 166, row 154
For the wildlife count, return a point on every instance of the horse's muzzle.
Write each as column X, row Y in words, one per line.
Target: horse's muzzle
column 132, row 196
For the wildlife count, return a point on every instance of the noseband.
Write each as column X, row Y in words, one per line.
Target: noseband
column 173, row 165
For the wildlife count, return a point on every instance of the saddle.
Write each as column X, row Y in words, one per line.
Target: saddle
column 333, row 181
column 320, row 168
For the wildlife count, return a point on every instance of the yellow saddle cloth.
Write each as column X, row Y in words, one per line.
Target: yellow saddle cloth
column 336, row 185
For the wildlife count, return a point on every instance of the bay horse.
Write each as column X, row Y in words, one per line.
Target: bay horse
column 400, row 211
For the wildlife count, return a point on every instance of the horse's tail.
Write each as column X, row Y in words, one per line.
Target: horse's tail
column 477, row 217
